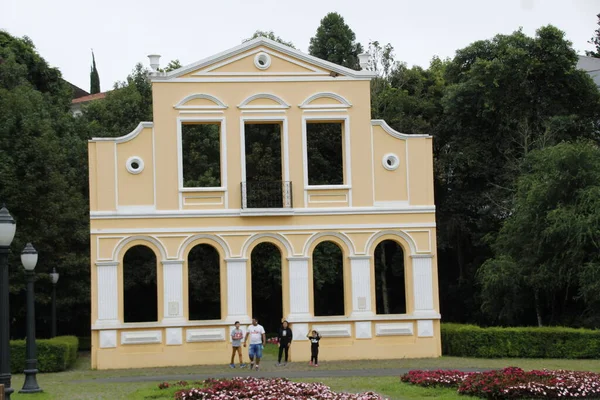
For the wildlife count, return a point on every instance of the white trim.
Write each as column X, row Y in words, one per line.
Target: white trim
column 341, row 236
column 174, row 336
column 204, row 335
column 265, row 111
column 430, row 244
column 265, row 58
column 119, row 247
column 223, row 157
column 337, row 330
column 108, row 339
column 154, row 167
column 271, row 44
column 347, row 161
column 398, row 135
column 201, row 112
column 343, row 103
column 327, row 211
column 224, row 245
column 390, row 157
column 398, row 329
column 209, row 70
column 284, row 144
column 219, row 105
column 276, row 236
column 211, row 79
column 269, row 96
column 116, row 155
column 363, row 330
column 129, row 165
column 324, row 110
column 141, row 337
column 122, row 139
column 425, row 328
column 327, row 187
column 369, row 249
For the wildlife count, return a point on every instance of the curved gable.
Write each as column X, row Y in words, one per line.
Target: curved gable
column 263, row 100
column 325, row 100
column 200, row 101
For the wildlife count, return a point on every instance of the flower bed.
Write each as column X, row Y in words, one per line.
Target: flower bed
column 512, row 383
column 273, row 340
column 264, row 389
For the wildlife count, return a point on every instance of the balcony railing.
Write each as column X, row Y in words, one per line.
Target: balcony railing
column 275, row 194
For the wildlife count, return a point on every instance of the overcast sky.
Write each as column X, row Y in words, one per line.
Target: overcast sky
column 123, row 32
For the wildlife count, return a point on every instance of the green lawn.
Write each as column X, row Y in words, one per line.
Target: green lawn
column 64, row 385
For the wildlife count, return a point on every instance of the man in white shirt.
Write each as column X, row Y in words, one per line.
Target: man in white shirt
column 257, row 341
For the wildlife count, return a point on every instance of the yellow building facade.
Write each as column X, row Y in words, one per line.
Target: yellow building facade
column 138, row 197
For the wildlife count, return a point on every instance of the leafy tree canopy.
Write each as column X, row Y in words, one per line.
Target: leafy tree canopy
column 335, row 42
column 270, row 35
column 595, row 40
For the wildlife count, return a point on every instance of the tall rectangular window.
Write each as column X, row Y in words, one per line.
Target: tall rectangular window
column 201, row 154
column 325, row 153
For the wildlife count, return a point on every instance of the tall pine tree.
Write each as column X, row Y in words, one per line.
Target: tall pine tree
column 94, row 77
column 335, row 42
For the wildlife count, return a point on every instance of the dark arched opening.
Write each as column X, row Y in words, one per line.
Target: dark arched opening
column 328, row 279
column 267, row 304
column 204, row 283
column 140, row 302
column 390, row 289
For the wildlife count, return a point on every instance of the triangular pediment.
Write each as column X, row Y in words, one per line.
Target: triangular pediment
column 261, row 57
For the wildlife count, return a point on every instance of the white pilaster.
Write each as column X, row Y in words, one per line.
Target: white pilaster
column 423, row 284
column 237, row 309
column 299, row 289
column 173, row 291
column 108, row 296
column 360, row 267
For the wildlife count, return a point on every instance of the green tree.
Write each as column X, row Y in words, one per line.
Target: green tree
column 595, row 40
column 269, row 35
column 547, row 252
column 335, row 42
column 43, row 181
column 94, row 77
column 505, row 97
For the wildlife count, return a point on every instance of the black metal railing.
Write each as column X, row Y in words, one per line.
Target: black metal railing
column 267, row 194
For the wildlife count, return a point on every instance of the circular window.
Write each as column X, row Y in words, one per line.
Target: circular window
column 262, row 61
column 135, row 165
column 390, row 162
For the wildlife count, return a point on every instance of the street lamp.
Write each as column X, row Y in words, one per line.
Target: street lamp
column 54, row 277
column 29, row 259
column 7, row 233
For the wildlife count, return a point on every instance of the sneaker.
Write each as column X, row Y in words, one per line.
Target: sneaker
column 310, row 363
column 316, row 365
column 256, row 368
column 278, row 365
column 243, row 365
column 231, row 365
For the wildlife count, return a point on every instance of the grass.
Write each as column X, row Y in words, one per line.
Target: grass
column 81, row 383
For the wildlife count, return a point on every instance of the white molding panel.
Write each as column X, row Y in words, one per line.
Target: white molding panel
column 174, row 336
column 108, row 339
column 108, row 297
column 236, row 290
column 205, row 335
column 425, row 328
column 339, row 330
column 300, row 331
column 399, row 329
column 173, row 289
column 360, row 268
column 363, row 330
column 141, row 337
column 299, row 287
column 423, row 284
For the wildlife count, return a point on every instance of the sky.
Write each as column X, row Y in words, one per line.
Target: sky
column 123, row 32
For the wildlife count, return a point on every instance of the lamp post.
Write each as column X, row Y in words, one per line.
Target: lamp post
column 29, row 259
column 7, row 233
column 54, row 277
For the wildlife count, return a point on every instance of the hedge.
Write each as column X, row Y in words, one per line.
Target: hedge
column 547, row 342
column 53, row 355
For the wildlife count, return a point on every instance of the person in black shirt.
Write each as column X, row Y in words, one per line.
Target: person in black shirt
column 284, row 337
column 314, row 348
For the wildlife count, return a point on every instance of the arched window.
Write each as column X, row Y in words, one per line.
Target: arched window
column 204, row 283
column 267, row 303
column 328, row 279
column 140, row 302
column 390, row 287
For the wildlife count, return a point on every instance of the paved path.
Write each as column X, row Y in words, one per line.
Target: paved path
column 313, row 373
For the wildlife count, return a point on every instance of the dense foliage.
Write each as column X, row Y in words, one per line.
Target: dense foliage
column 515, row 127
column 94, row 77
column 53, row 355
column 532, row 342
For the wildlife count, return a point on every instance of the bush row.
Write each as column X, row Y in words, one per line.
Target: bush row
column 548, row 342
column 53, row 355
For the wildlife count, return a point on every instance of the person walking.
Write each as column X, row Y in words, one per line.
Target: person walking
column 314, row 348
column 257, row 336
column 284, row 338
column 236, row 345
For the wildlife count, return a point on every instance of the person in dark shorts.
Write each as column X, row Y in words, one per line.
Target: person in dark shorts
column 284, row 337
column 314, row 348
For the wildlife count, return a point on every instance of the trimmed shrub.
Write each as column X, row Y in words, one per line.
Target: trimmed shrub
column 547, row 342
column 53, row 355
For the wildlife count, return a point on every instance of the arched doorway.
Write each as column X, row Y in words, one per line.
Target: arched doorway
column 267, row 303
column 140, row 301
column 204, row 283
column 328, row 279
column 390, row 286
